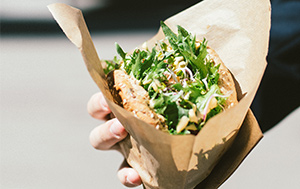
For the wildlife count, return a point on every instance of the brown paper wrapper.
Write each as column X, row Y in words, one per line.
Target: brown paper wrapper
column 239, row 32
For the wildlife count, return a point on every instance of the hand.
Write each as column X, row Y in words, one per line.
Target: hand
column 107, row 136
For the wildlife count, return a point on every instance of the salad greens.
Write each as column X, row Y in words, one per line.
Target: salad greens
column 181, row 79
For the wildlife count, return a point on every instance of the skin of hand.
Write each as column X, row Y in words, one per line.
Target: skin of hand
column 107, row 136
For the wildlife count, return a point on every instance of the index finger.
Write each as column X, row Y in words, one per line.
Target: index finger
column 97, row 107
column 105, row 136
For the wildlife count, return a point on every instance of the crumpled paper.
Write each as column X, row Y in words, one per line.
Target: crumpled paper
column 238, row 30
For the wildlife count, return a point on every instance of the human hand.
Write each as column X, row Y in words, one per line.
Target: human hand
column 107, row 136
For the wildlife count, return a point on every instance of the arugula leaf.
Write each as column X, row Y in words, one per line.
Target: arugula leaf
column 213, row 112
column 110, row 65
column 182, row 31
column 120, row 51
column 170, row 35
column 178, row 86
column 168, row 32
column 202, row 100
column 136, row 67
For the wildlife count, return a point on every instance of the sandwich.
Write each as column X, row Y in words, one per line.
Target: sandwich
column 176, row 86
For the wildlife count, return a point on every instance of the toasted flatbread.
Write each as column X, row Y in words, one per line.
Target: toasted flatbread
column 225, row 82
column 133, row 98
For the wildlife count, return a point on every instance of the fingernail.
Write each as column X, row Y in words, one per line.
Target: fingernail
column 131, row 179
column 129, row 182
column 116, row 129
column 105, row 108
column 104, row 104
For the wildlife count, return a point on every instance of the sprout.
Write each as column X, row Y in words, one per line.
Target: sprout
column 205, row 82
column 212, row 103
column 173, row 75
column 190, row 73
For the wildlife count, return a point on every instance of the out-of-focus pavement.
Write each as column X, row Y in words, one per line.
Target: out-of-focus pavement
column 45, row 126
column 44, row 123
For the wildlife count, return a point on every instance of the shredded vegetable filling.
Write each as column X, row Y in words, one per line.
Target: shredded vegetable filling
column 180, row 77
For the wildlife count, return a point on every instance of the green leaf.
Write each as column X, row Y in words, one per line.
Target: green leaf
column 174, row 98
column 109, row 66
column 152, row 66
column 120, row 51
column 213, row 112
column 202, row 100
column 182, row 31
column 158, row 102
column 177, row 86
column 168, row 32
column 136, row 68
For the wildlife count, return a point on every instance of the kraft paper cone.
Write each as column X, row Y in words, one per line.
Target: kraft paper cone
column 239, row 32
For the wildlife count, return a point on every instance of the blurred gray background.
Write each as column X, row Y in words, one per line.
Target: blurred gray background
column 44, row 89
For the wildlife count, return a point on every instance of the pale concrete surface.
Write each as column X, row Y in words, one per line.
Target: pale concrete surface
column 274, row 162
column 45, row 125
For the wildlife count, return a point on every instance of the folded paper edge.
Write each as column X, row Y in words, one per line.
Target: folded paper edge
column 241, row 147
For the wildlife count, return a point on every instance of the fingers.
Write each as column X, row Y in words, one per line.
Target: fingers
column 128, row 176
column 97, row 107
column 107, row 135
